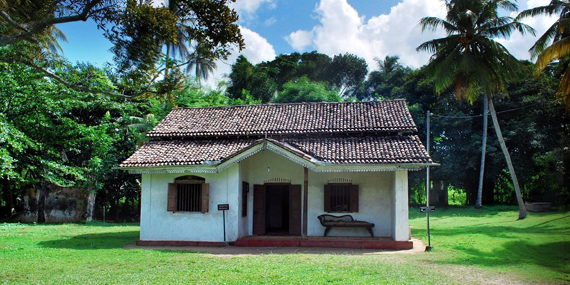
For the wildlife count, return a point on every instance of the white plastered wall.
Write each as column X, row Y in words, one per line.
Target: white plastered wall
column 159, row 224
column 374, row 202
column 257, row 168
column 383, row 200
column 400, row 210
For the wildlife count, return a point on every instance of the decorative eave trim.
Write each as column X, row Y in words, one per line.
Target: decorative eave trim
column 277, row 180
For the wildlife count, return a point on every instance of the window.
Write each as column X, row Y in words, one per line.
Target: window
column 188, row 194
column 341, row 198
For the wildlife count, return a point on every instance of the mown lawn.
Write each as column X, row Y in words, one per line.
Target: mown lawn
column 470, row 247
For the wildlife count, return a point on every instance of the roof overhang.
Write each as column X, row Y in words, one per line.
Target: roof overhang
column 284, row 150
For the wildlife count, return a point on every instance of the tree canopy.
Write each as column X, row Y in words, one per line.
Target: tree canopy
column 137, row 30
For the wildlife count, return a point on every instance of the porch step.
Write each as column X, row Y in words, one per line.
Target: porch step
column 329, row 242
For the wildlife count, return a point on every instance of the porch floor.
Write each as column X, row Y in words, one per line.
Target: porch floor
column 320, row 241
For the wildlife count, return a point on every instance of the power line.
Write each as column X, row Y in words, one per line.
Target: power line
column 500, row 112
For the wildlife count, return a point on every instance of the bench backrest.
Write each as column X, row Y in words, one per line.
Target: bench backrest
column 331, row 218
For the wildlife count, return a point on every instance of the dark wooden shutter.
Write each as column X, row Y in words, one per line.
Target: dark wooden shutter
column 205, row 198
column 172, row 197
column 258, row 209
column 294, row 210
column 354, row 198
column 244, row 191
column 327, row 199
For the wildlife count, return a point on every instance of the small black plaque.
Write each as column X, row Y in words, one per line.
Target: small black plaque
column 223, row 207
column 423, row 209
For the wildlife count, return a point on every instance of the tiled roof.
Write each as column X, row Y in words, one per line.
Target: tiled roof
column 184, row 152
column 287, row 119
column 366, row 150
column 335, row 150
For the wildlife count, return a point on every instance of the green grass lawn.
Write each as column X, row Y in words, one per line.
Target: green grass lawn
column 485, row 246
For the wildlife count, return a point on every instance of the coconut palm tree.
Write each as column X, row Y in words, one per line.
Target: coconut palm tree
column 554, row 44
column 471, row 62
column 389, row 64
column 179, row 48
column 201, row 62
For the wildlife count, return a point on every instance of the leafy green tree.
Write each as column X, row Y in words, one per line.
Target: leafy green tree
column 282, row 69
column 348, row 71
column 303, row 90
column 58, row 136
column 242, row 71
column 136, row 28
column 554, row 44
column 386, row 82
column 316, row 66
column 471, row 62
column 247, row 79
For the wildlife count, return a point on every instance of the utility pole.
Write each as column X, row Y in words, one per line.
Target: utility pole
column 428, row 208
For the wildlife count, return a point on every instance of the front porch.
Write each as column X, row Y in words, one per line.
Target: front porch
column 326, row 242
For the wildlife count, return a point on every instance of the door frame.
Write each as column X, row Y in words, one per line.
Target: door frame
column 295, row 209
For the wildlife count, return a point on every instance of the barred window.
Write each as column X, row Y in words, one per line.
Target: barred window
column 189, row 197
column 188, row 194
column 341, row 198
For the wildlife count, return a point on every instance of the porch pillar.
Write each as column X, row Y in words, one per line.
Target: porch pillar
column 401, row 229
column 305, row 200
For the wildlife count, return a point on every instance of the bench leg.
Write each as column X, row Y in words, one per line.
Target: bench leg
column 370, row 231
column 327, row 229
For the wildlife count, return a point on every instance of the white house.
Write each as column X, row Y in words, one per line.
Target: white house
column 278, row 167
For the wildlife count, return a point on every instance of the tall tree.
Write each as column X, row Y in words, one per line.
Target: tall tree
column 348, row 71
column 389, row 64
column 201, row 62
column 554, row 44
column 470, row 61
column 303, row 90
column 137, row 30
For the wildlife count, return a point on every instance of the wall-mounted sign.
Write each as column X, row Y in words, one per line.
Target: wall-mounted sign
column 223, row 207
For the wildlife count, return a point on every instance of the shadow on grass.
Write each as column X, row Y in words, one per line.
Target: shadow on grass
column 469, row 211
column 94, row 241
column 544, row 244
column 552, row 255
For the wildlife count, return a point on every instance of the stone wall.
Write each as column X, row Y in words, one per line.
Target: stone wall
column 63, row 205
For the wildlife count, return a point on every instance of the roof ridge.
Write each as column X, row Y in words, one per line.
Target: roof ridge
column 293, row 103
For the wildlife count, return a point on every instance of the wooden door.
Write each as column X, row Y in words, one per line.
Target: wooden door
column 295, row 210
column 258, row 209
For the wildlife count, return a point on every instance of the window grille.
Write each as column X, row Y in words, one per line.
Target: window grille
column 189, row 197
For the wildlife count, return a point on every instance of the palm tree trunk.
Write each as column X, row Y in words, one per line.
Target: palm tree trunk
column 478, row 204
column 522, row 210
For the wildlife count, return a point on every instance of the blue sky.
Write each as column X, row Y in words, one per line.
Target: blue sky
column 368, row 28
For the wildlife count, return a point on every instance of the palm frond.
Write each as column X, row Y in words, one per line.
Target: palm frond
column 555, row 7
column 432, row 23
column 556, row 51
column 543, row 41
column 507, row 5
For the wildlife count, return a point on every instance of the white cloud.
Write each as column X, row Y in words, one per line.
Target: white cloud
column 257, row 49
column 270, row 21
column 342, row 30
column 247, row 8
column 518, row 44
column 300, row 39
column 536, row 3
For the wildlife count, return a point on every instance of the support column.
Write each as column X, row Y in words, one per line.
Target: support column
column 305, row 201
column 400, row 226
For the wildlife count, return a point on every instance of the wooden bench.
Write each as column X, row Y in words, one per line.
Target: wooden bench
column 344, row 221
